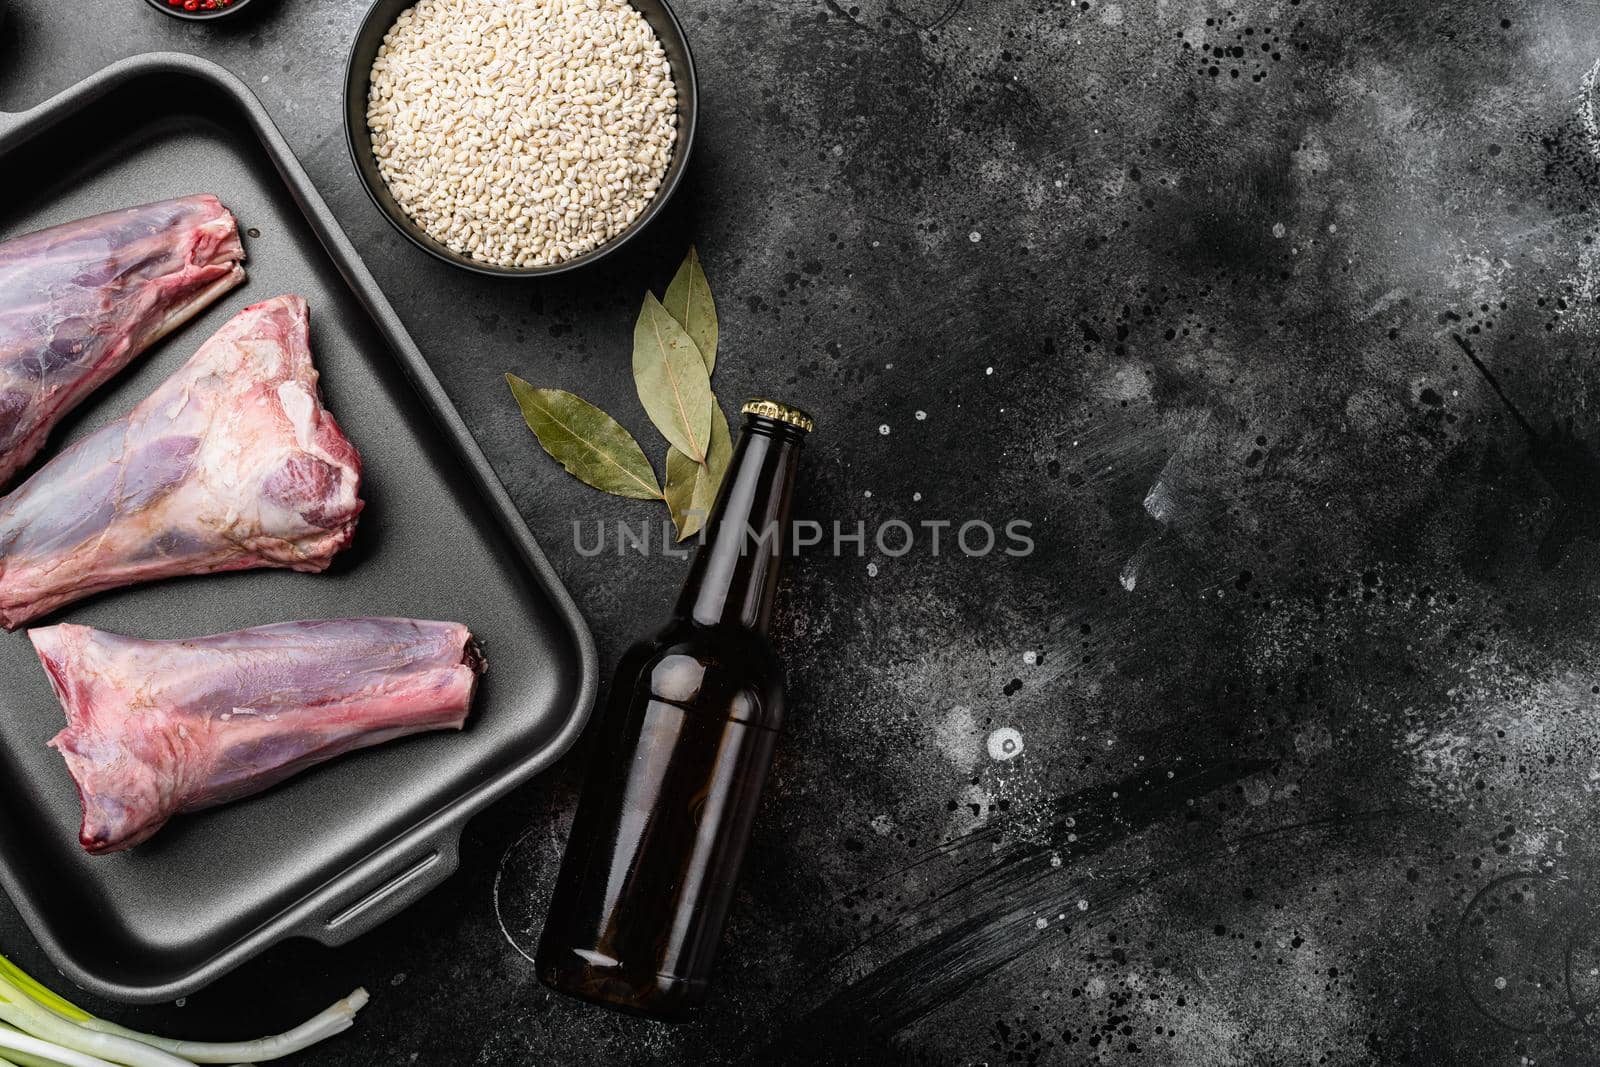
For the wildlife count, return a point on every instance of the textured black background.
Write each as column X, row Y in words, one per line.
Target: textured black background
column 1304, row 661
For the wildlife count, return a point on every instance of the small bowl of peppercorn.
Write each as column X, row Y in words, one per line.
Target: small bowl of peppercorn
column 198, row 10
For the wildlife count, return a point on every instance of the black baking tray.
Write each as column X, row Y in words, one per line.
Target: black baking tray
column 336, row 851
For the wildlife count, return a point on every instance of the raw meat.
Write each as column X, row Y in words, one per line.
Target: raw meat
column 159, row 727
column 232, row 463
column 78, row 301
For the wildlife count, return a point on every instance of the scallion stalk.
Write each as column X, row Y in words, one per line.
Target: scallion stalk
column 68, row 1036
column 42, row 1053
column 26, row 1059
column 23, row 1059
column 32, row 1017
column 24, row 981
column 335, row 1020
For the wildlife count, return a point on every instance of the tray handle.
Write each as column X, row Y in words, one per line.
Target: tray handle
column 372, row 897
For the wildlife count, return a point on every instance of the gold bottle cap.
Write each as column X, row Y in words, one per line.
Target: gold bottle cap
column 773, row 409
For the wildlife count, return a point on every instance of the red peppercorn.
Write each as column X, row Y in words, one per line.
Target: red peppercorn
column 201, row 8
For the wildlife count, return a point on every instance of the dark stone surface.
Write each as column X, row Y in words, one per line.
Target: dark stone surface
column 1303, row 664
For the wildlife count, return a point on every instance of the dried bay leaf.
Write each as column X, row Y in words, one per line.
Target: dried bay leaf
column 689, row 301
column 590, row 444
column 721, row 448
column 705, row 494
column 674, row 353
column 683, row 481
column 715, row 468
column 692, row 487
column 671, row 377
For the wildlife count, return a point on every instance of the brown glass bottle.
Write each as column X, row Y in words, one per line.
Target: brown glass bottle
column 683, row 752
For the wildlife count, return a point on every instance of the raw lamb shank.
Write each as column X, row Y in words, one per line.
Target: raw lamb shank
column 159, row 727
column 80, row 300
column 232, row 463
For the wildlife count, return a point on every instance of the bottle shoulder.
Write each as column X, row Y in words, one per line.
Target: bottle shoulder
column 716, row 669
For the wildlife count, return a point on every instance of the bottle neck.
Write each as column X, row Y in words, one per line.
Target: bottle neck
column 734, row 577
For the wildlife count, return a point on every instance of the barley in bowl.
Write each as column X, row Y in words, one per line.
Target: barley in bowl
column 522, row 133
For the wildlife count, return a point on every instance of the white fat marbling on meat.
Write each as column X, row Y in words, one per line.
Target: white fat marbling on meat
column 301, row 408
column 175, row 408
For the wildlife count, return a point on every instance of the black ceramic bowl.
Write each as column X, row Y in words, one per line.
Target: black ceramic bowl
column 198, row 15
column 357, row 82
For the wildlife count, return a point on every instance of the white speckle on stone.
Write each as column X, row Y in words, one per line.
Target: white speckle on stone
column 1278, row 230
column 181, row 1001
column 882, row 825
column 1055, row 859
column 399, row 978
column 867, row 493
column 875, row 244
column 954, row 736
column 916, row 496
column 974, row 236
column 1500, row 983
column 1158, row 502
column 1005, row 743
column 884, row 429
column 838, row 149
column 872, row 570
column 922, row 416
column 1030, row 657
column 1083, row 905
column 1040, row 923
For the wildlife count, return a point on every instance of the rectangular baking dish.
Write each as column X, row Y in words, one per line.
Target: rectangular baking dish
column 336, row 851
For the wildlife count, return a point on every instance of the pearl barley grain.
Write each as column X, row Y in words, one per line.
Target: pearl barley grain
column 522, row 133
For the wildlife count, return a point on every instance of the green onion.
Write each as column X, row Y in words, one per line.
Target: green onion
column 34, row 1051
column 336, row 1020
column 28, row 1059
column 10, row 972
column 32, row 1017
column 53, row 1032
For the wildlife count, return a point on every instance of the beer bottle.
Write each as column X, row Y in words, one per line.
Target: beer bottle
column 684, row 747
